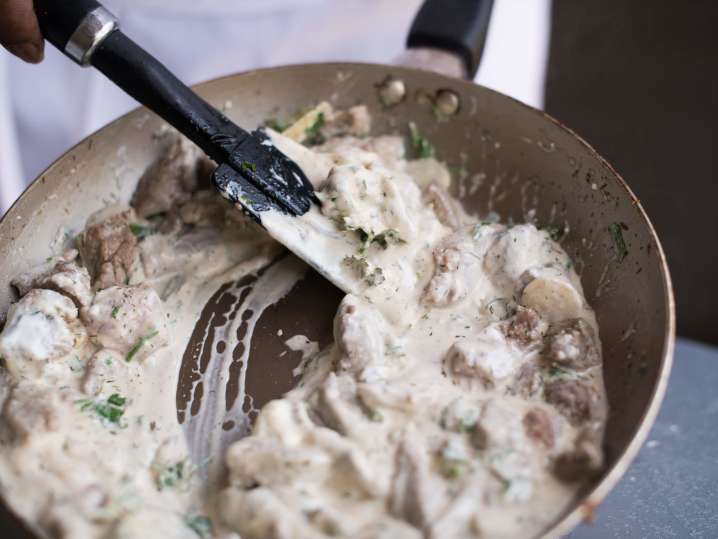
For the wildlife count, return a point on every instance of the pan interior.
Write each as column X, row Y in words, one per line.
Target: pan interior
column 507, row 159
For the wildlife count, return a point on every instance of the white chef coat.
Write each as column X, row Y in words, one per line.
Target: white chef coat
column 45, row 109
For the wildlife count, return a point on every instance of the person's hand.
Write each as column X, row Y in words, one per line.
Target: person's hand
column 20, row 31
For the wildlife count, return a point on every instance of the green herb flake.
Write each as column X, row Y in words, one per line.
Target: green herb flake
column 141, row 232
column 618, row 243
column 557, row 372
column 136, row 348
column 454, row 468
column 200, row 524
column 110, row 410
column 277, row 125
column 420, row 145
column 313, row 132
column 375, row 415
column 173, row 475
column 555, row 232
column 388, row 237
column 246, row 165
column 115, row 311
column 375, row 277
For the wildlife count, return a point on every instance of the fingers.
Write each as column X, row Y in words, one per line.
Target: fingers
column 19, row 30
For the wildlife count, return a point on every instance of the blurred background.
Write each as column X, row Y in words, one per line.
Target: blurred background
column 638, row 83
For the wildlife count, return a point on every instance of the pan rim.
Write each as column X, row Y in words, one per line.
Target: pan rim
column 588, row 503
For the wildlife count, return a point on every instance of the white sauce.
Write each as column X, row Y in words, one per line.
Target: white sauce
column 462, row 397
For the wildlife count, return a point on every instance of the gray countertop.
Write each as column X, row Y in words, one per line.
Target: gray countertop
column 671, row 489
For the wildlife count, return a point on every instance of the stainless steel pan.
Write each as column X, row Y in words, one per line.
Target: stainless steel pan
column 510, row 159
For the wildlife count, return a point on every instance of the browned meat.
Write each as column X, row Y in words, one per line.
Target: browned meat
column 444, row 206
column 467, row 366
column 106, row 368
column 71, row 517
column 455, row 269
column 412, row 497
column 572, row 343
column 128, row 319
column 538, row 427
column 584, row 460
column 109, row 250
column 353, row 121
column 168, row 181
column 575, row 399
column 528, row 382
column 333, row 409
column 31, row 409
column 358, row 335
column 60, row 274
column 526, row 328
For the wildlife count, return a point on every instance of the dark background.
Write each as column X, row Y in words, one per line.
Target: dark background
column 639, row 80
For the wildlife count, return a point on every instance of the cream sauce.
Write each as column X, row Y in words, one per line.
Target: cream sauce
column 463, row 396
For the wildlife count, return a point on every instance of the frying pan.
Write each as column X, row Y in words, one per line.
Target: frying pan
column 509, row 159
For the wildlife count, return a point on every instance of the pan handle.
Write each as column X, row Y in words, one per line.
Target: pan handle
column 457, row 27
column 89, row 34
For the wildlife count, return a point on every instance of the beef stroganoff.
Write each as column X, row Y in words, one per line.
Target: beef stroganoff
column 462, row 397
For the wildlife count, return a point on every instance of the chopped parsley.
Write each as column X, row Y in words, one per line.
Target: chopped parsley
column 110, row 410
column 375, row 415
column 383, row 239
column 501, row 308
column 246, row 165
column 115, row 311
column 200, row 524
column 557, row 372
column 136, row 348
column 175, row 475
column 141, row 232
column 420, row 146
column 277, row 125
column 313, row 132
column 618, row 243
column 372, row 276
column 555, row 232
column 375, row 277
column 388, row 237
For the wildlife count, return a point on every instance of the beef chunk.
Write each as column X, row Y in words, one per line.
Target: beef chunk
column 39, row 328
column 575, row 399
column 31, row 410
column 106, row 368
column 572, row 344
column 412, row 497
column 482, row 361
column 129, row 319
column 109, row 250
column 357, row 332
column 526, row 328
column 584, row 460
column 538, row 427
column 445, row 207
column 455, row 269
column 528, row 382
column 168, row 181
column 70, row 517
column 353, row 121
column 61, row 274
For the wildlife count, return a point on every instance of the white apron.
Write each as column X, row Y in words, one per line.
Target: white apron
column 47, row 108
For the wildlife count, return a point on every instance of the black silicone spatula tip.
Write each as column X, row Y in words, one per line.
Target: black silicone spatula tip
column 259, row 177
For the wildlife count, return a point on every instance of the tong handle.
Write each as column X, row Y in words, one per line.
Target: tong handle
column 89, row 34
column 454, row 26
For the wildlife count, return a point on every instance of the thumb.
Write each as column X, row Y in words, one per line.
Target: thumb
column 19, row 30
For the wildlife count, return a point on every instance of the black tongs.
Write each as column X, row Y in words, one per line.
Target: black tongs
column 251, row 172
